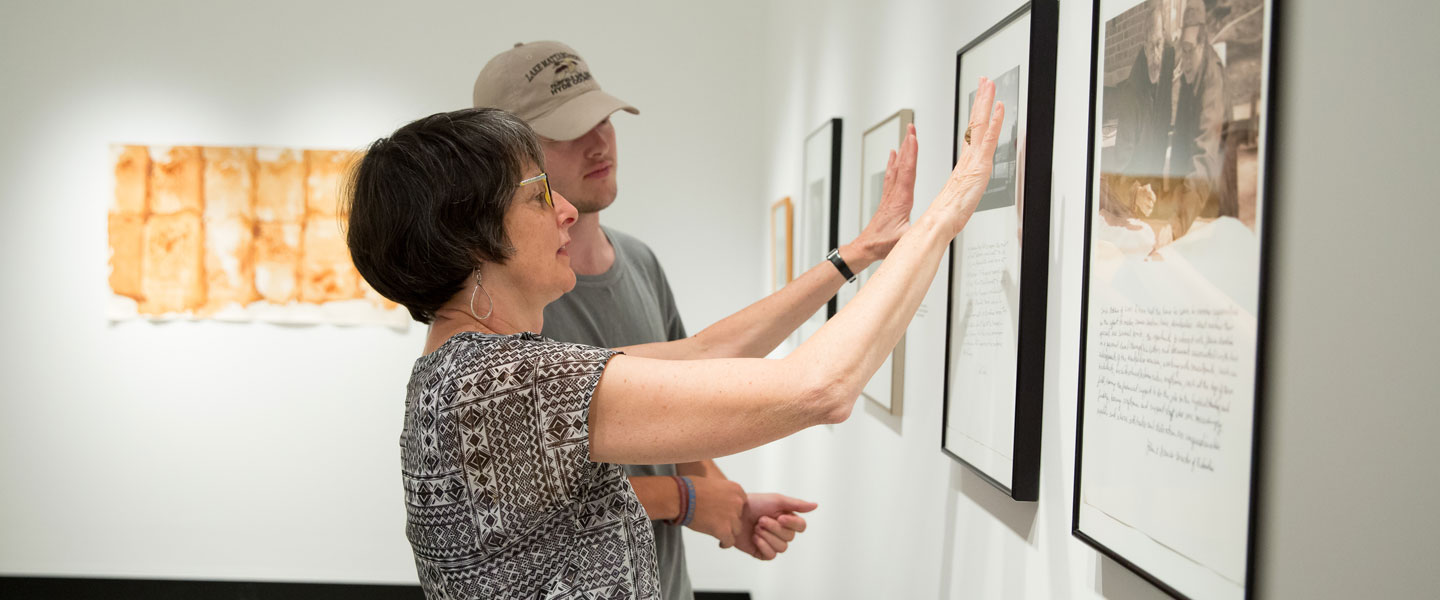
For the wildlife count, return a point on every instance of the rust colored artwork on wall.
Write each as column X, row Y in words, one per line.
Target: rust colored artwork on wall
column 235, row 234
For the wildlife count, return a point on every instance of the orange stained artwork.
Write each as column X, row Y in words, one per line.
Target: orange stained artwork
column 194, row 230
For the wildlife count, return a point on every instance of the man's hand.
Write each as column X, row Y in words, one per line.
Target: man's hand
column 1144, row 198
column 719, row 504
column 892, row 217
column 770, row 524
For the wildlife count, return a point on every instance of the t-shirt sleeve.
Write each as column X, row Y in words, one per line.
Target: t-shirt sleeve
column 674, row 327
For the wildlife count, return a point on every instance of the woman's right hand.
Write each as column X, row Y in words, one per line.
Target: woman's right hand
column 967, row 183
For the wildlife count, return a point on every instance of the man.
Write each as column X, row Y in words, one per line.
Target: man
column 621, row 295
column 1195, row 157
column 1133, row 176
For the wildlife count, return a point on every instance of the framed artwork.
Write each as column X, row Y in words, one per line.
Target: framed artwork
column 236, row 234
column 817, row 214
column 887, row 386
column 782, row 257
column 999, row 265
column 1173, row 290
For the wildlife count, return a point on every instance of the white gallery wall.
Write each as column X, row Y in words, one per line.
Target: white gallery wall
column 1349, row 497
column 254, row 451
column 222, row 451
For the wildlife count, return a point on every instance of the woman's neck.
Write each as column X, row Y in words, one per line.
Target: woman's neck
column 451, row 320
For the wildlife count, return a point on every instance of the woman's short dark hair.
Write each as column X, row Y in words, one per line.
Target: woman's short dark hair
column 427, row 204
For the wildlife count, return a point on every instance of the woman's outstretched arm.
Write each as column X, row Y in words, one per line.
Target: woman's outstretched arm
column 759, row 328
column 646, row 410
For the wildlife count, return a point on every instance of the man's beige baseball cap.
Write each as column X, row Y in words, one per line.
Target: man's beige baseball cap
column 549, row 86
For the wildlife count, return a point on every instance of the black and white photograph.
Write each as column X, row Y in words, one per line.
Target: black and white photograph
column 1002, row 190
column 1173, row 290
column 1180, row 119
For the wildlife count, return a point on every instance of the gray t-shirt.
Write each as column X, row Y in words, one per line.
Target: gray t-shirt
column 629, row 304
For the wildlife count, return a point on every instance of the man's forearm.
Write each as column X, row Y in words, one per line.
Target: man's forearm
column 704, row 468
column 659, row 496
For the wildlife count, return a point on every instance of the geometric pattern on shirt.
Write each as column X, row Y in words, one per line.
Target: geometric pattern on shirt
column 501, row 498
column 630, row 304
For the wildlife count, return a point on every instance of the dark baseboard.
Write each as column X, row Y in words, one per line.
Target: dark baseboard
column 85, row 588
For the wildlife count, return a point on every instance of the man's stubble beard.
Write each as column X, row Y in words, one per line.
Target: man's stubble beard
column 588, row 206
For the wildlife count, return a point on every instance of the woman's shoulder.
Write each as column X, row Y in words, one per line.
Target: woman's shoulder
column 472, row 366
column 470, row 350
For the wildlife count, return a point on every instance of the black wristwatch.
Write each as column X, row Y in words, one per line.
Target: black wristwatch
column 834, row 258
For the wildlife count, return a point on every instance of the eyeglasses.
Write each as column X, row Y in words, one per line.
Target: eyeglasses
column 541, row 177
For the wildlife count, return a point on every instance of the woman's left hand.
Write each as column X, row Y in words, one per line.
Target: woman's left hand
column 892, row 217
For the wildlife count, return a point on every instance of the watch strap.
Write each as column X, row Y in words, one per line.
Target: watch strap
column 834, row 258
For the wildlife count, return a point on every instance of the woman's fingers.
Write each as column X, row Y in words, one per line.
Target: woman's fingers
column 892, row 169
column 992, row 136
column 980, row 111
column 909, row 153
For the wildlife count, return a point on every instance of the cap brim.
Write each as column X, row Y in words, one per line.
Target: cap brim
column 578, row 116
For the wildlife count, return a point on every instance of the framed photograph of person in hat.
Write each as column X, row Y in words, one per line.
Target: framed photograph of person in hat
column 1173, row 290
column 999, row 266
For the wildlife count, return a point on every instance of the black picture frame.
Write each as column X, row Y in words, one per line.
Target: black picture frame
column 1265, row 187
column 835, row 126
column 1034, row 258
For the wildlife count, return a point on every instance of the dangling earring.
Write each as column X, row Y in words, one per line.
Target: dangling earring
column 481, row 288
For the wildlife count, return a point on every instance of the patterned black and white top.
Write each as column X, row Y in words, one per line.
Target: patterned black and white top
column 501, row 498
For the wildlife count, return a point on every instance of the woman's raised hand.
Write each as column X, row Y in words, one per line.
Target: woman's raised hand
column 967, row 182
column 892, row 217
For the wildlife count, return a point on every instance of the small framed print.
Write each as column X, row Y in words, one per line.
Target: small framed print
column 999, row 265
column 817, row 215
column 782, row 256
column 1173, row 298
column 887, row 386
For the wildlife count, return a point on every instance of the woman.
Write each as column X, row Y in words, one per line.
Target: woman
column 511, row 441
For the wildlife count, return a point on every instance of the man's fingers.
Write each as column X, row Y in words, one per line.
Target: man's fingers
column 776, row 544
column 797, row 505
column 773, row 526
column 794, row 523
column 763, row 549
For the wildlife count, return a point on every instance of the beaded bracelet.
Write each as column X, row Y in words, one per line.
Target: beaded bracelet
column 687, row 501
